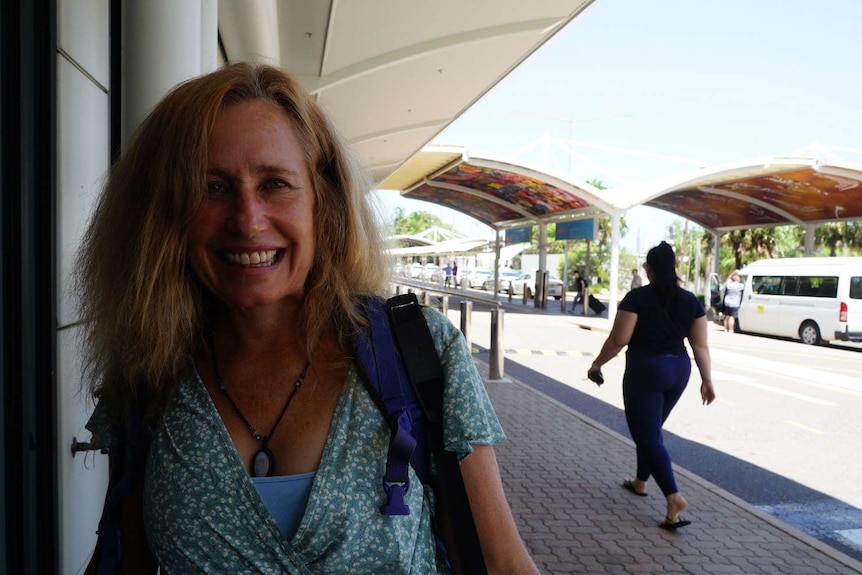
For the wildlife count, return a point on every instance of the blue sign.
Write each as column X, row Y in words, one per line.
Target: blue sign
column 519, row 236
column 576, row 230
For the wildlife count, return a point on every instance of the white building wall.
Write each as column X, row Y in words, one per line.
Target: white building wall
column 164, row 43
column 83, row 157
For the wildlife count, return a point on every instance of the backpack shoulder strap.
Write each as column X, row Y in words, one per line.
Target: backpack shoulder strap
column 386, row 379
column 127, row 459
column 400, row 321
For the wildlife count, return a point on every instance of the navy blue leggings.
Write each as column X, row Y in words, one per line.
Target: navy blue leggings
column 652, row 384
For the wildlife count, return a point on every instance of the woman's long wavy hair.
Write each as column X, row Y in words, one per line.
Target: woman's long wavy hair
column 144, row 309
column 662, row 260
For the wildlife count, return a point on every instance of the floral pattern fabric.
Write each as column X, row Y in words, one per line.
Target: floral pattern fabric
column 203, row 515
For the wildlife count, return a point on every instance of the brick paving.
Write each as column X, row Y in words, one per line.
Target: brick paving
column 563, row 472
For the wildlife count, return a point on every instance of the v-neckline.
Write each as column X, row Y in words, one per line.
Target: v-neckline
column 246, row 480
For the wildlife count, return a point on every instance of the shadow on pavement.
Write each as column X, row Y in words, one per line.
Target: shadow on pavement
column 806, row 509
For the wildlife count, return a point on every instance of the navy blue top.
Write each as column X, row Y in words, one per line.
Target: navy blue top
column 661, row 330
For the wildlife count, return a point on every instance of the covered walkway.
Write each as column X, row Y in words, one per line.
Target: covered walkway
column 806, row 188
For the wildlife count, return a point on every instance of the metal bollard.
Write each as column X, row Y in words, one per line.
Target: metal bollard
column 495, row 366
column 397, row 289
column 466, row 320
column 444, row 304
column 545, row 279
column 426, row 298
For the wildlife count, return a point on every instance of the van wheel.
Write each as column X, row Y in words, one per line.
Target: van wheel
column 528, row 293
column 809, row 333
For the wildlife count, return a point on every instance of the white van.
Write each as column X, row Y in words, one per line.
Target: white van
column 814, row 299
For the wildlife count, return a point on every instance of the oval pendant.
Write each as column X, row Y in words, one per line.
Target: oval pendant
column 263, row 463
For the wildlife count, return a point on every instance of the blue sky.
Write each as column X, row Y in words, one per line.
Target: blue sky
column 710, row 82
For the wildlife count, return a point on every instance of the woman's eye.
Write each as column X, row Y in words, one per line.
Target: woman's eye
column 276, row 184
column 216, row 187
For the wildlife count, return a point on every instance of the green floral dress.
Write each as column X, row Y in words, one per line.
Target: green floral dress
column 203, row 515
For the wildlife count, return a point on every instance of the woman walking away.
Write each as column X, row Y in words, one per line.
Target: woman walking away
column 653, row 321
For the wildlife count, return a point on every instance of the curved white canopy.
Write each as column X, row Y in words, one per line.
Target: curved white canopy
column 391, row 73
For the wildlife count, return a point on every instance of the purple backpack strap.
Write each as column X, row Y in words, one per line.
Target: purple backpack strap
column 387, row 380
column 128, row 459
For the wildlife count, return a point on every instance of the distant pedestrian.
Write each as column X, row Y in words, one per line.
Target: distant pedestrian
column 580, row 289
column 455, row 273
column 653, row 322
column 732, row 300
column 637, row 281
column 447, row 270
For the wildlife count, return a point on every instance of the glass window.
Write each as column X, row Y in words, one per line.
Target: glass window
column 856, row 287
column 807, row 287
column 828, row 287
column 766, row 285
column 788, row 285
column 817, row 286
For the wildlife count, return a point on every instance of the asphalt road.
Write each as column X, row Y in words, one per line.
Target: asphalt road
column 783, row 433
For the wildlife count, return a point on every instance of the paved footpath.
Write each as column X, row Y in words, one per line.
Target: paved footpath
column 563, row 473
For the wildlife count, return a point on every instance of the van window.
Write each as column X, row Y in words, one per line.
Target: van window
column 828, row 287
column 818, row 286
column 766, row 285
column 810, row 286
column 788, row 286
column 856, row 287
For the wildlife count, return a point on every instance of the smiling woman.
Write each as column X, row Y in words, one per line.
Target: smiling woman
column 224, row 278
column 251, row 243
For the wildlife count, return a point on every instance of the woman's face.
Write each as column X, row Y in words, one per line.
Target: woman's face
column 251, row 243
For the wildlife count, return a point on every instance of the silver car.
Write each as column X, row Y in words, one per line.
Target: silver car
column 527, row 282
column 474, row 278
column 506, row 279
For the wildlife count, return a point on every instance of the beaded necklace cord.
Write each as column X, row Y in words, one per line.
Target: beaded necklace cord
column 263, row 463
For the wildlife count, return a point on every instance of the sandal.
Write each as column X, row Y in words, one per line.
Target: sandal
column 630, row 485
column 669, row 525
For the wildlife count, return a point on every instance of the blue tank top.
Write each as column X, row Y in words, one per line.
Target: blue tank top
column 285, row 497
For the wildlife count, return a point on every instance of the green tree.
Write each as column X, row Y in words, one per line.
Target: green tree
column 741, row 247
column 789, row 241
column 833, row 236
column 416, row 222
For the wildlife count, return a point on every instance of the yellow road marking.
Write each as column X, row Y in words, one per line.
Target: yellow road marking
column 805, row 427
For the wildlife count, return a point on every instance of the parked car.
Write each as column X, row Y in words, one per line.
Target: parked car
column 437, row 276
column 475, row 277
column 415, row 270
column 527, row 282
column 506, row 279
column 428, row 271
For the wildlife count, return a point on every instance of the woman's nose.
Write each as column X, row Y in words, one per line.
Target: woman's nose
column 249, row 216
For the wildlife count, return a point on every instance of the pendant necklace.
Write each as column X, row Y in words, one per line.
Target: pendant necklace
column 263, row 463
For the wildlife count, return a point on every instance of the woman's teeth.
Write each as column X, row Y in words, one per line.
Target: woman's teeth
column 252, row 259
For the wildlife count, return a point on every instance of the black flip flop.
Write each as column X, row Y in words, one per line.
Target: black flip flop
column 669, row 525
column 631, row 487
